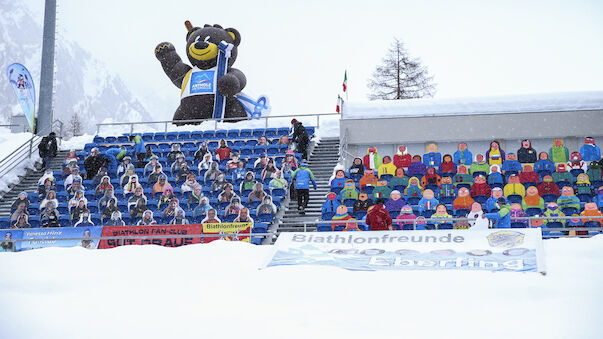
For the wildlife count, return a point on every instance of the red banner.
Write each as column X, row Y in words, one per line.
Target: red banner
column 122, row 231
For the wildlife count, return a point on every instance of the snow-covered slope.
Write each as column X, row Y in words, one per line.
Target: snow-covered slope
column 83, row 84
column 216, row 291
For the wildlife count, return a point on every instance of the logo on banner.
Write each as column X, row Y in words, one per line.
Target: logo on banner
column 416, row 250
column 506, row 239
column 227, row 231
column 202, row 82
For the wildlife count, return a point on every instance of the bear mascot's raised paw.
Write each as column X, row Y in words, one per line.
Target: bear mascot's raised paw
column 200, row 84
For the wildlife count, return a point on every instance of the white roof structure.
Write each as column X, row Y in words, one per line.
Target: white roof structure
column 522, row 103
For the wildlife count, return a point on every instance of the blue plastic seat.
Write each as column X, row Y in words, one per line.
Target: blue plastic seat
column 221, row 134
column 272, row 150
column 258, row 132
column 148, row 136
column 310, row 130
column 445, row 226
column 518, row 224
column 209, row 134
column 259, row 228
column 324, row 227
column 4, row 222
column 445, row 200
column 196, row 135
column 171, row 136
column 232, row 134
column 184, row 135
column 592, row 223
column 98, row 139
column 282, row 131
column 110, row 140
column 569, row 211
column 251, row 142
column 461, row 212
column 245, row 133
column 271, row 132
column 549, row 198
column 122, row 139
column 532, row 211
column 514, row 199
column 584, row 197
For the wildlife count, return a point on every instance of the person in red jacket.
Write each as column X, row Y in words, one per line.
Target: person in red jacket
column 402, row 158
column 548, row 186
column 528, row 175
column 378, row 218
column 223, row 152
column 480, row 187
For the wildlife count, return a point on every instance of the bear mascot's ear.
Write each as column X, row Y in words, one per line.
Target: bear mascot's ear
column 190, row 28
column 236, row 36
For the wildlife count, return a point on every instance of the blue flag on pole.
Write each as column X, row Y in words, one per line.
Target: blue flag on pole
column 23, row 85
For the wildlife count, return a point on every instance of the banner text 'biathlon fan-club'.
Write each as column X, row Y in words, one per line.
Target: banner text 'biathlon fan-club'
column 491, row 250
column 23, row 85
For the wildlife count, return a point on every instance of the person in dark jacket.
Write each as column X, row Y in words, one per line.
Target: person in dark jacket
column 48, row 149
column 526, row 154
column 303, row 177
column 93, row 163
column 356, row 171
column 300, row 138
column 378, row 218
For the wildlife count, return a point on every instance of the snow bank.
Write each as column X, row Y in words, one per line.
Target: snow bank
column 545, row 102
column 217, row 291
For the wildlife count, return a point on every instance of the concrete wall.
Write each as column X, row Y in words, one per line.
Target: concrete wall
column 477, row 130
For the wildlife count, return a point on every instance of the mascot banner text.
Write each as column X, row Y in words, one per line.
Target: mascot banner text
column 23, row 85
column 516, row 250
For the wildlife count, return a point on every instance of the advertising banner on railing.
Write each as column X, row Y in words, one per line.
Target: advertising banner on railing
column 56, row 237
column 124, row 231
column 513, row 250
column 227, row 231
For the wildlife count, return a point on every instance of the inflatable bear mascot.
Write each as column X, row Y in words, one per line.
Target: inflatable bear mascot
column 202, row 83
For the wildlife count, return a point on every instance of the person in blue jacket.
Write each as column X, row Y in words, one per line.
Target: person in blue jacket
column 112, row 155
column 303, row 176
column 463, row 156
column 503, row 216
column 139, row 150
column 544, row 166
column 590, row 151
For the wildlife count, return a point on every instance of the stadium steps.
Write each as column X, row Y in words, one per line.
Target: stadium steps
column 323, row 159
column 29, row 183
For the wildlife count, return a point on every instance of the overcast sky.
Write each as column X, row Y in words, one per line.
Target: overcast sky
column 297, row 52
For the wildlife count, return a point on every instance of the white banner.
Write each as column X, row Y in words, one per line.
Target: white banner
column 511, row 250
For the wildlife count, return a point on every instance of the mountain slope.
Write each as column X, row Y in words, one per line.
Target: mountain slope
column 83, row 84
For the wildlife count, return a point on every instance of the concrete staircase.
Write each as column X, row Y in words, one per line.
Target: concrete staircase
column 29, row 183
column 322, row 160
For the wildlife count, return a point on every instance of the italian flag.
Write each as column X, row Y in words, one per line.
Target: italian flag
column 338, row 109
column 345, row 81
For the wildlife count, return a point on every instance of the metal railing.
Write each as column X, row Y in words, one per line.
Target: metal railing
column 343, row 147
column 166, row 123
column 437, row 221
column 16, row 157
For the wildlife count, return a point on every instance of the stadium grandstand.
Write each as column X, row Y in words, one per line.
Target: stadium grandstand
column 541, row 158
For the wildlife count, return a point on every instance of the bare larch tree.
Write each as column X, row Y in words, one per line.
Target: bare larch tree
column 400, row 76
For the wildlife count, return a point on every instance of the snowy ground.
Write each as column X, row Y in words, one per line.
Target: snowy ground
column 217, row 291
